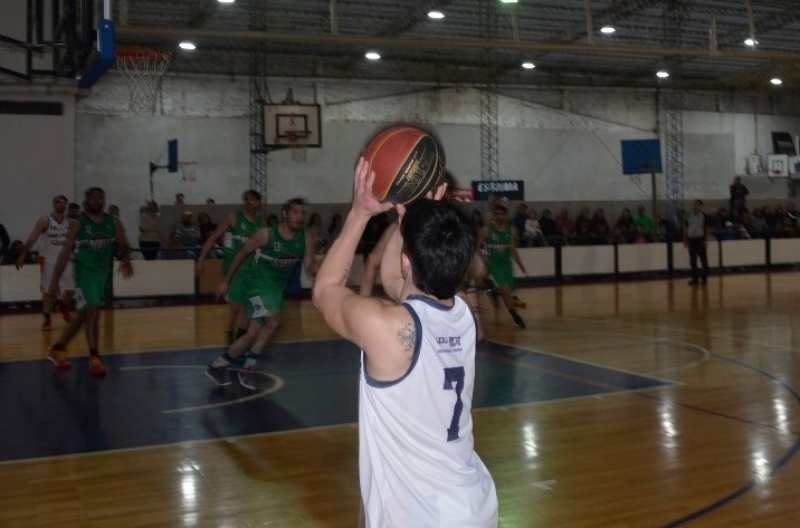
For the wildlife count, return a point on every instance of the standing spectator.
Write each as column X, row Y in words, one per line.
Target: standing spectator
column 695, row 238
column 188, row 232
column 738, row 195
column 150, row 231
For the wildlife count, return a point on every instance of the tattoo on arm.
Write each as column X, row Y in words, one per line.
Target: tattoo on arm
column 346, row 273
column 407, row 336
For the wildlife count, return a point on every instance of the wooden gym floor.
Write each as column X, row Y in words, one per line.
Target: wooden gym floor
column 636, row 404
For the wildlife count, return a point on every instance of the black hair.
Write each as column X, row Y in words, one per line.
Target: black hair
column 439, row 240
column 294, row 201
column 251, row 192
column 91, row 190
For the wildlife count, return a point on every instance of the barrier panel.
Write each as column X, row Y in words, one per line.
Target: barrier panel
column 157, row 278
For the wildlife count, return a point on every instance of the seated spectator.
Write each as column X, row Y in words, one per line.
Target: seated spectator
column 583, row 224
column 617, row 236
column 335, row 227
column 188, row 232
column 641, row 236
column 533, row 230
column 643, row 220
column 758, row 226
column 548, row 225
column 564, row 224
column 626, row 226
column 174, row 251
column 519, row 223
column 206, row 227
column 600, row 225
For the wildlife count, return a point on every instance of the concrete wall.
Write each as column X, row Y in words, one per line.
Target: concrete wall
column 564, row 143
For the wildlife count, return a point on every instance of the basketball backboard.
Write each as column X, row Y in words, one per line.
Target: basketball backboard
column 53, row 38
column 286, row 125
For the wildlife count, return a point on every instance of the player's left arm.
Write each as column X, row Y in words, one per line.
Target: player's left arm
column 514, row 252
column 125, row 267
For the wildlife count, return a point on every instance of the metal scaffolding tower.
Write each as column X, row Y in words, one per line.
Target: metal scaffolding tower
column 673, row 140
column 490, row 163
column 675, row 16
column 259, row 96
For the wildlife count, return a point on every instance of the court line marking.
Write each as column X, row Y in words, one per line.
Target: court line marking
column 260, row 394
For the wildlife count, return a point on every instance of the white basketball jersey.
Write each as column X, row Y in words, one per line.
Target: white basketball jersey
column 418, row 464
column 52, row 240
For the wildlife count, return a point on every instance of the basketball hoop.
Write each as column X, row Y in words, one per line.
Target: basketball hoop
column 298, row 141
column 142, row 70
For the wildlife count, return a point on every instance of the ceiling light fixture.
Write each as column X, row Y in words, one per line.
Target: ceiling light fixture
column 226, row 1
column 436, row 15
column 776, row 81
column 528, row 65
column 508, row 1
column 372, row 55
column 607, row 30
column 750, row 42
column 662, row 74
column 187, row 45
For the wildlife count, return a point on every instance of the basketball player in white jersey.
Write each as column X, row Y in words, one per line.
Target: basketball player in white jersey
column 417, row 462
column 51, row 233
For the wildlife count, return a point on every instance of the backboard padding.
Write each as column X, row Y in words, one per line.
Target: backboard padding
column 283, row 123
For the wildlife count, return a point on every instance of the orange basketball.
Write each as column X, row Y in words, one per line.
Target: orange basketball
column 407, row 162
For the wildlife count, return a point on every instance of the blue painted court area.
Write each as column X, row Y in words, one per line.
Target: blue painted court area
column 163, row 397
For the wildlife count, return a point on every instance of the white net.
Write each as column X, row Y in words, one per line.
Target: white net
column 143, row 70
column 299, row 144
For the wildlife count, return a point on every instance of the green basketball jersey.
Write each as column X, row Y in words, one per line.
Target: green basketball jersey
column 236, row 236
column 498, row 245
column 94, row 245
column 275, row 261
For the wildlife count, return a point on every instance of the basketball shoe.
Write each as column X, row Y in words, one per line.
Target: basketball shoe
column 248, row 377
column 96, row 366
column 518, row 322
column 218, row 375
column 59, row 358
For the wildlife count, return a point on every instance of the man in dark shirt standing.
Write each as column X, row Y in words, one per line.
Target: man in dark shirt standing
column 695, row 238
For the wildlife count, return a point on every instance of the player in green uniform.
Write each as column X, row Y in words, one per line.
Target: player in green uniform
column 234, row 231
column 273, row 252
column 500, row 239
column 93, row 239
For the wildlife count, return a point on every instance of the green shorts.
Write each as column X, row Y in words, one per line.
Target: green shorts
column 262, row 304
column 90, row 287
column 503, row 275
column 237, row 291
